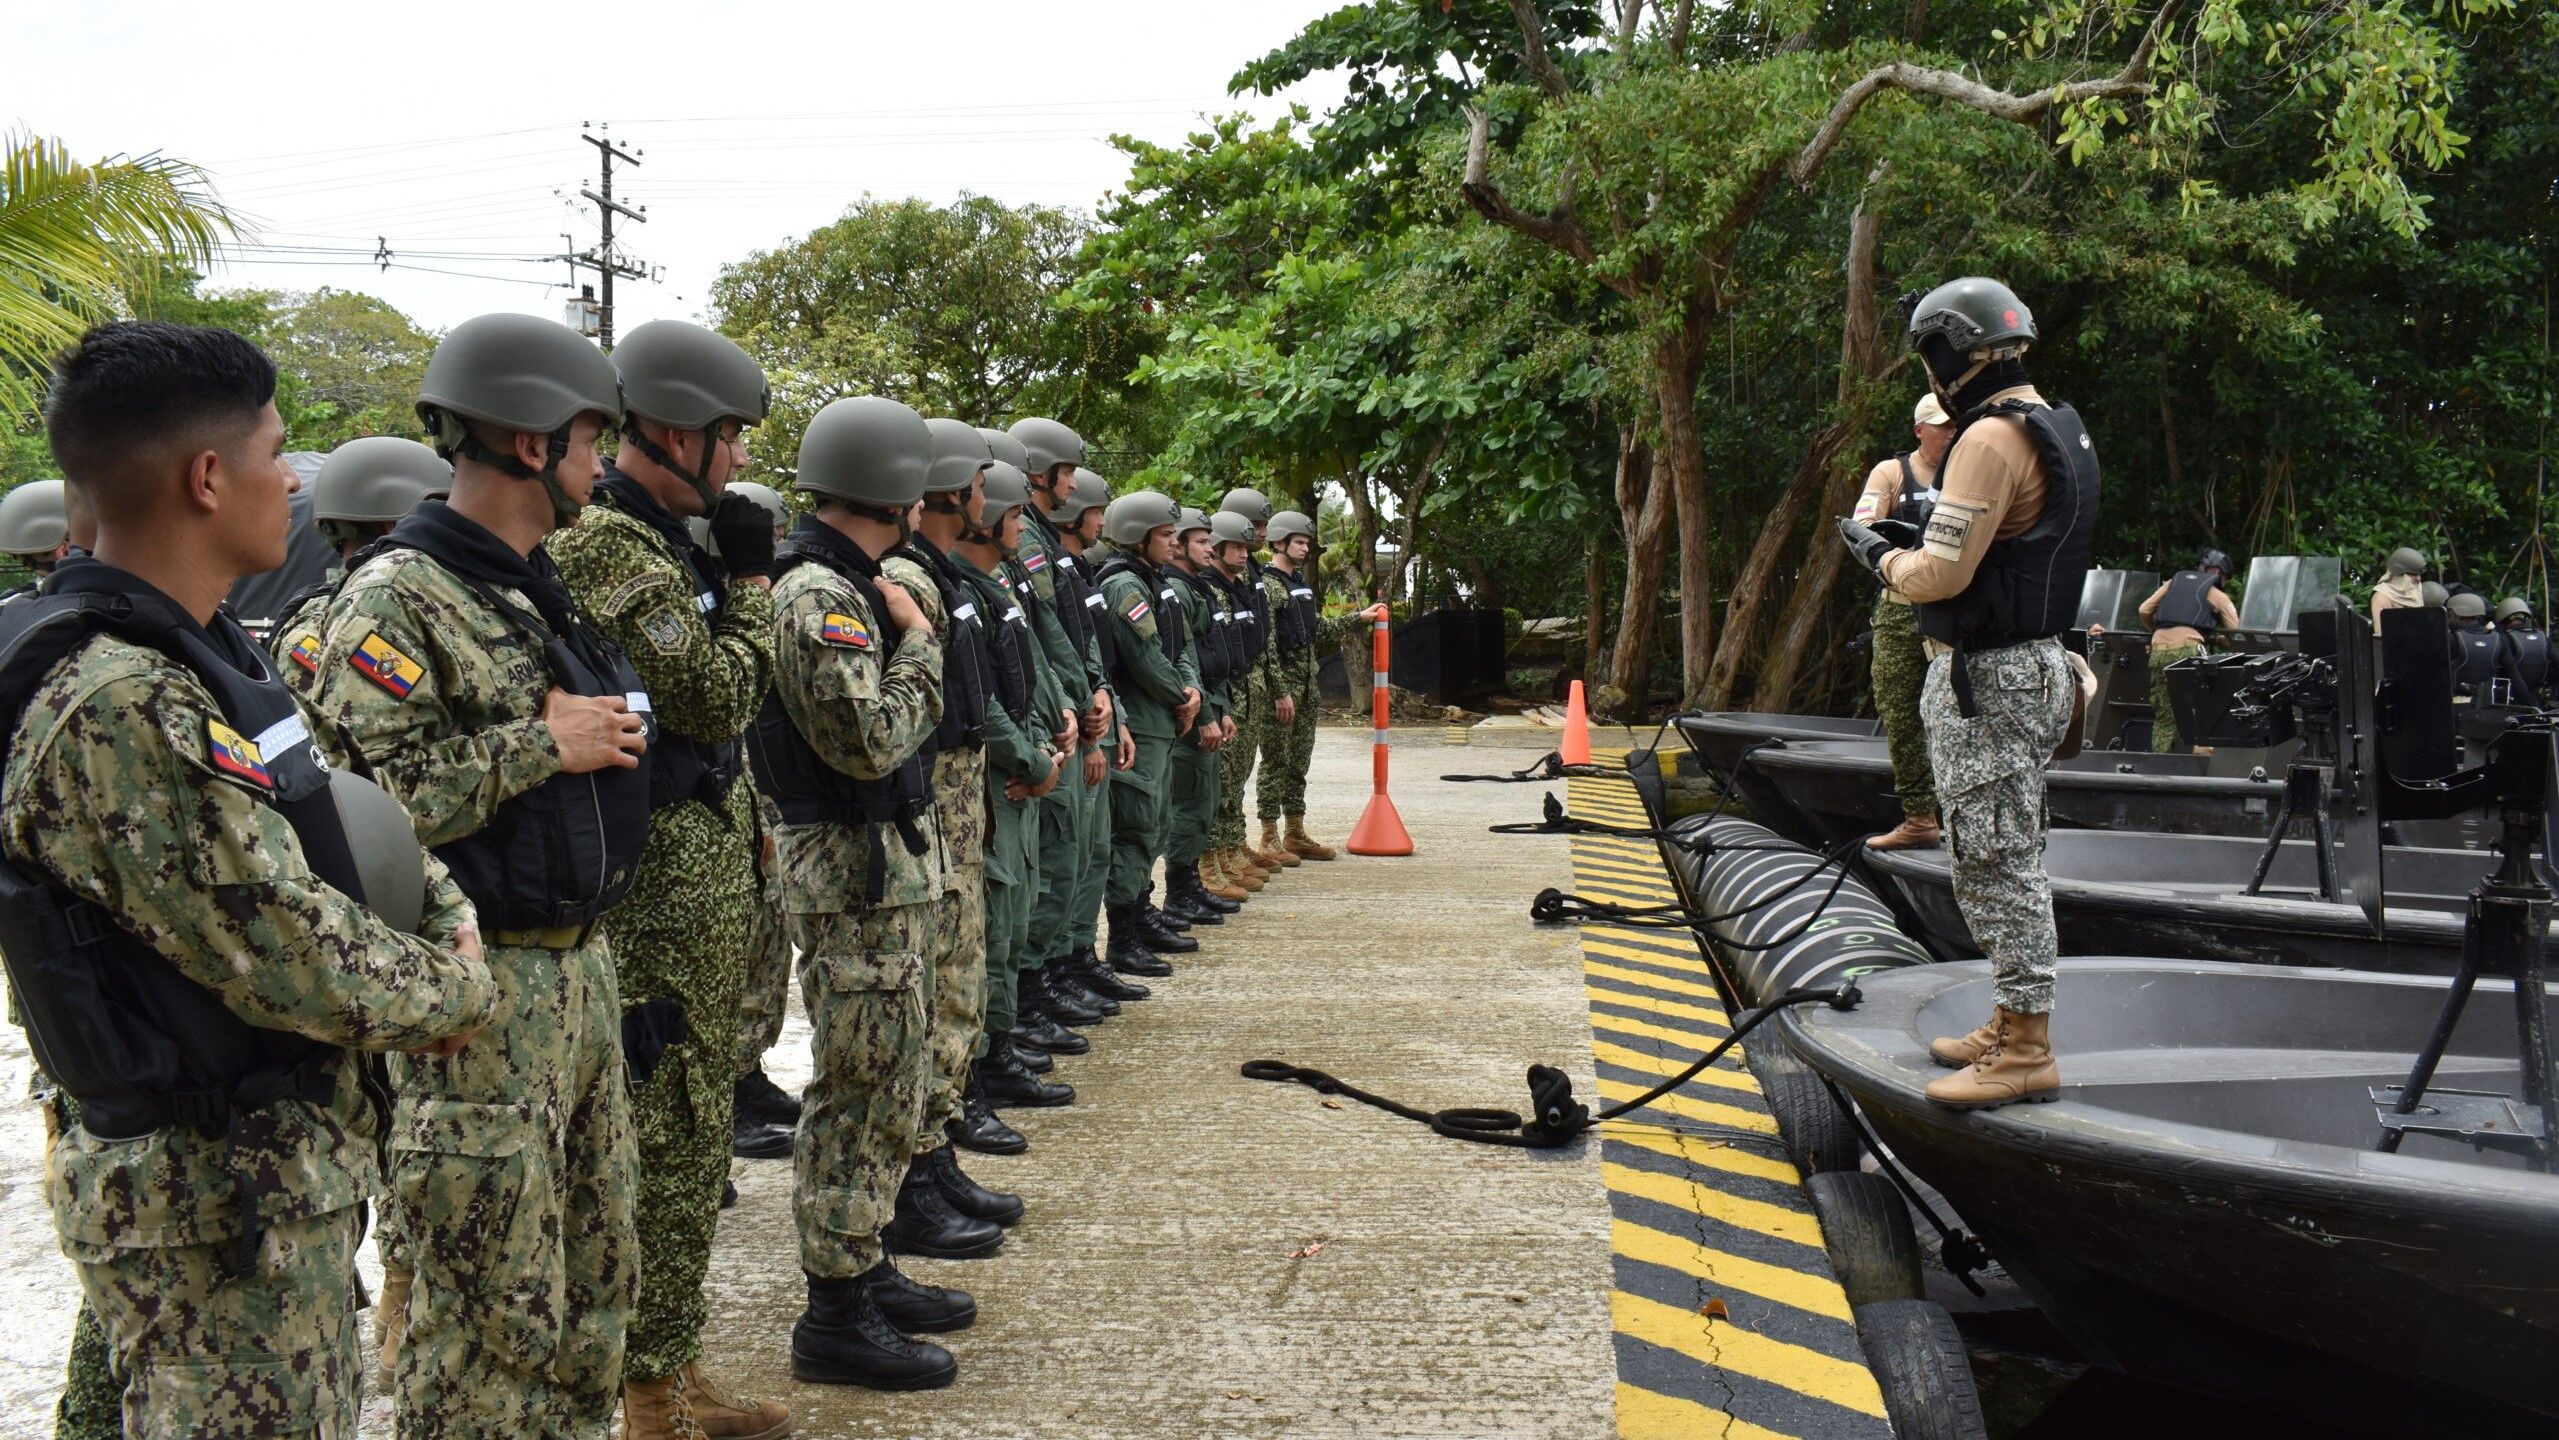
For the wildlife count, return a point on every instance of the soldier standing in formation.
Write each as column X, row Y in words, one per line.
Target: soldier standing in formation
column 1245, row 867
column 35, row 529
column 1996, row 576
column 1288, row 748
column 1192, row 802
column 1155, row 670
column 2184, row 613
column 364, row 487
column 161, row 782
column 699, row 632
column 764, row 1116
column 1902, row 489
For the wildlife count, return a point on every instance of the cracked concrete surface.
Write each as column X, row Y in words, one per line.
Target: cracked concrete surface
column 1460, row 1291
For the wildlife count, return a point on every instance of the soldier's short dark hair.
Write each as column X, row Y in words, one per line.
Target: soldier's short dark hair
column 134, row 389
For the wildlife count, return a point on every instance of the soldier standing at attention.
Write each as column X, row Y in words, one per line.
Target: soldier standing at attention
column 1159, row 690
column 2183, row 615
column 941, row 1211
column 1030, row 750
column 1192, row 804
column 1997, row 581
column 1290, row 748
column 364, row 487
column 1249, row 866
column 160, row 781
column 700, row 633
column 457, row 661
column 1224, row 869
column 857, row 691
column 1903, row 489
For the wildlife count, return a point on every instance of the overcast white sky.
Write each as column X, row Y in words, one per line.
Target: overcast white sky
column 450, row 129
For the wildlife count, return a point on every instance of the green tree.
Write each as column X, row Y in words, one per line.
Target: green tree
column 355, row 363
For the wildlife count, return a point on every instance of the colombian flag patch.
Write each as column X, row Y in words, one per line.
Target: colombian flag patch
column 235, row 754
column 306, row 651
column 378, row 661
column 841, row 629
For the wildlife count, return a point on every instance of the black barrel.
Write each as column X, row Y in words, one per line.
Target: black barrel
column 1828, row 936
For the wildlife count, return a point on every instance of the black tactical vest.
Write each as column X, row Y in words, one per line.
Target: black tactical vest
column 1008, row 642
column 2188, row 603
column 1159, row 593
column 2476, row 652
column 1079, row 602
column 562, row 853
column 806, row 789
column 2027, row 588
column 965, row 677
column 1296, row 620
column 1912, row 504
column 1252, row 611
column 132, row 1038
column 680, row 767
column 2528, row 660
column 1217, row 651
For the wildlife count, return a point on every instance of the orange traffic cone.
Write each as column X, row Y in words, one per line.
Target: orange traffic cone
column 1576, row 749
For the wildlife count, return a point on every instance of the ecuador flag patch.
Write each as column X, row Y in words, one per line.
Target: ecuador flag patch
column 306, row 651
column 842, row 629
column 235, row 754
column 379, row 661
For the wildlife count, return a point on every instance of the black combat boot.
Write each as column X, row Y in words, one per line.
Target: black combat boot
column 1005, row 1081
column 966, row 1195
column 915, row 1307
column 1066, row 979
column 1067, row 1003
column 1097, row 977
column 1187, row 901
column 754, row 1139
column 1128, row 952
column 926, row 1223
column 977, row 1127
column 843, row 1339
column 1038, row 1024
column 1159, row 934
column 758, row 1096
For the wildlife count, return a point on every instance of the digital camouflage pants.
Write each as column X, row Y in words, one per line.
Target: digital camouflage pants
column 2163, row 714
column 92, row 1403
column 1899, row 667
column 1287, row 750
column 514, row 1168
column 1990, row 794
column 1235, row 762
column 208, row 1352
column 766, row 996
column 955, row 982
column 862, row 980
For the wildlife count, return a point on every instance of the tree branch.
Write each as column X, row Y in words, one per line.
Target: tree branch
column 1559, row 230
column 1628, row 13
column 2133, row 79
column 1679, row 27
column 1532, row 49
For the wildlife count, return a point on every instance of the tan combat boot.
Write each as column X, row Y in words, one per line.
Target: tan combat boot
column 1917, row 832
column 1213, row 879
column 390, row 1323
column 723, row 1416
column 1957, row 1051
column 2018, row 1065
column 1273, row 850
column 1300, row 843
column 658, row 1410
column 1241, row 869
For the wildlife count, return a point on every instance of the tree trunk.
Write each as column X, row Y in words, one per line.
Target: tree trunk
column 1594, row 600
column 1646, row 517
column 1676, row 365
column 1757, row 579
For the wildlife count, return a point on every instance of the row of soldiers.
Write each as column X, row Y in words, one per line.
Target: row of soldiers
column 471, row 900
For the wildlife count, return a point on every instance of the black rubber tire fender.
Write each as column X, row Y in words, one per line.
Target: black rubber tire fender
column 1818, row 1137
column 1867, row 1230
column 1920, row 1364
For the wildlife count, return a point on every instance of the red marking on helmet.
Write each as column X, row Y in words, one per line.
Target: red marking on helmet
column 2008, row 318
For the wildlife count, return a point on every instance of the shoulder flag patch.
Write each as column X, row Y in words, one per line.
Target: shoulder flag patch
column 233, row 753
column 1035, row 562
column 306, row 651
column 842, row 629
column 1138, row 610
column 379, row 661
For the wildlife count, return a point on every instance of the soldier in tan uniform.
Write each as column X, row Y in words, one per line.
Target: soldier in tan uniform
column 2184, row 613
column 1904, row 488
column 2402, row 584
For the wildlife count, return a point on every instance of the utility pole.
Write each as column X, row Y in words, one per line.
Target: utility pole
column 603, row 260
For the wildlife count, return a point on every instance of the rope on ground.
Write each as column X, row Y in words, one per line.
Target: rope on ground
column 1548, row 767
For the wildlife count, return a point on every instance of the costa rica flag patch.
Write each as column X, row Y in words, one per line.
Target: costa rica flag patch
column 1035, row 562
column 381, row 662
column 845, row 630
column 306, row 651
column 233, row 753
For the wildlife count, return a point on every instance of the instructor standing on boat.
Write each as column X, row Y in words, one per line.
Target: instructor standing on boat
column 1903, row 488
column 1995, row 576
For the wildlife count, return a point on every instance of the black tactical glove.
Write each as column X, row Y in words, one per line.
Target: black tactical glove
column 743, row 534
column 1870, row 543
column 649, row 1028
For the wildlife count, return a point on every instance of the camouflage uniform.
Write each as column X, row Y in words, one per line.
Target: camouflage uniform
column 955, row 957
column 1990, row 788
column 861, row 968
column 1899, row 668
column 512, row 1162
column 295, row 641
column 1015, row 750
column 2163, row 712
column 683, row 930
column 1287, row 750
column 1151, row 686
column 111, row 791
column 1059, row 921
column 1249, row 698
column 768, row 956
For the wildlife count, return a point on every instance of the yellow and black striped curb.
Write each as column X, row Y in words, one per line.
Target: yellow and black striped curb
column 1729, row 1321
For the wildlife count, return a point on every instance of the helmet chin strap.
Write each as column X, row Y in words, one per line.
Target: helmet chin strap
column 468, row 446
column 700, row 480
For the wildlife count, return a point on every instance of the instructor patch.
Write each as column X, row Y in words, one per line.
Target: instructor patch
column 1948, row 525
column 379, row 661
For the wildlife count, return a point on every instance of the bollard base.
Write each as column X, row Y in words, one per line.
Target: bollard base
column 1380, row 830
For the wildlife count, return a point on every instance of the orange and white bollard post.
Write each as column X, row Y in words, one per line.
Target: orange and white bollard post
column 1380, row 830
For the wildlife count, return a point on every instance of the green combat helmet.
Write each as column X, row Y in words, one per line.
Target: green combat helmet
column 687, row 378
column 1287, row 523
column 1048, row 445
column 1253, row 505
column 2405, row 561
column 1007, row 490
column 867, row 451
column 2511, row 607
column 1229, row 527
column 2467, row 606
column 960, row 454
column 1006, row 448
column 1980, row 318
column 376, row 480
column 1089, row 492
column 763, row 497
column 33, row 522
column 2432, row 594
column 521, row 373
column 1191, row 520
column 1136, row 515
